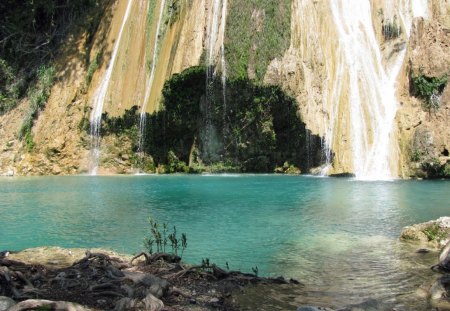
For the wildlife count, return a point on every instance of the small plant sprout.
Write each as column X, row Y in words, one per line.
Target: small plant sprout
column 255, row 270
column 161, row 239
column 164, row 236
column 183, row 243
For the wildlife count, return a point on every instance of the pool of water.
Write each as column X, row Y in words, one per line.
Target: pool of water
column 337, row 236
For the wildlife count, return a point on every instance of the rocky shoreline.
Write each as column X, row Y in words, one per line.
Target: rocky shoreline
column 52, row 278
column 66, row 279
column 427, row 237
column 434, row 234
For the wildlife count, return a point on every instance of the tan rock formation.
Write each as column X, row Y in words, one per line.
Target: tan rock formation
column 312, row 70
column 424, row 133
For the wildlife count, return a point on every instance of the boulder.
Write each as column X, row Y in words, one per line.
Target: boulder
column 6, row 303
column 444, row 258
column 433, row 233
column 149, row 303
column 439, row 293
column 156, row 286
column 36, row 304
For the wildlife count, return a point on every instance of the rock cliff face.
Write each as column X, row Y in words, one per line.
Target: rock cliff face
column 348, row 65
column 424, row 132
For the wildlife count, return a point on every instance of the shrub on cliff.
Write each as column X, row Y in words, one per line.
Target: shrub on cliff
column 429, row 89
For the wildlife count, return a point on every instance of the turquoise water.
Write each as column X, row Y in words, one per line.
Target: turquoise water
column 338, row 236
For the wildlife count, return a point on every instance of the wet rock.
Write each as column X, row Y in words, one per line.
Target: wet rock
column 444, row 258
column 423, row 251
column 312, row 308
column 369, row 305
column 6, row 303
column 439, row 293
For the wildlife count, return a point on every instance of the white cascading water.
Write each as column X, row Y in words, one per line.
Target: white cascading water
column 419, row 8
column 214, row 46
column 211, row 45
column 100, row 96
column 222, row 54
column 372, row 98
column 150, row 80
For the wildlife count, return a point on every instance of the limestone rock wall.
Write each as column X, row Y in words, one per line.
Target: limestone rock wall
column 425, row 133
column 311, row 70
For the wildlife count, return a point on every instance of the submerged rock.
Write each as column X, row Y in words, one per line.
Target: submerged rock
column 312, row 308
column 439, row 293
column 369, row 305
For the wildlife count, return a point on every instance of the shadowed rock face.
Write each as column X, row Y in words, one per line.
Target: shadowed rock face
column 444, row 258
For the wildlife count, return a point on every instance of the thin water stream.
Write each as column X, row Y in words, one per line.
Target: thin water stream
column 100, row 98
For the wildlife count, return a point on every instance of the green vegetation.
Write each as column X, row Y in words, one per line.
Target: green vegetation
column 174, row 11
column 31, row 34
column 435, row 233
column 161, row 239
column 433, row 169
column 391, row 30
column 37, row 96
column 11, row 87
column 416, row 156
column 257, row 32
column 258, row 130
column 31, row 30
column 429, row 89
column 93, row 66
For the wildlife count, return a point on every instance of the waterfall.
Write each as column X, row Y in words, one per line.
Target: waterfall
column 100, row 96
column 150, row 80
column 222, row 54
column 372, row 98
column 214, row 46
column 420, row 8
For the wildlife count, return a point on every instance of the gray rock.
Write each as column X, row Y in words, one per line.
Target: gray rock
column 149, row 303
column 439, row 292
column 417, row 233
column 312, row 308
column 6, row 303
column 156, row 286
column 33, row 304
column 444, row 258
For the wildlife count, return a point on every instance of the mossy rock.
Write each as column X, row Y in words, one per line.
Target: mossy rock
column 434, row 233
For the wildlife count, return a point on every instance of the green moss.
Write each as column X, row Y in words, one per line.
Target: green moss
column 257, row 32
column 435, row 233
column 11, row 87
column 37, row 96
column 93, row 66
